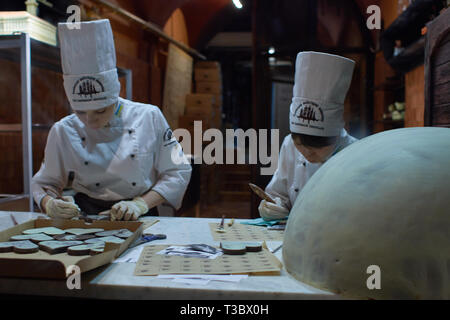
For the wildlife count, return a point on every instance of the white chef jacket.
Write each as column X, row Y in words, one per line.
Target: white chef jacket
column 121, row 161
column 294, row 170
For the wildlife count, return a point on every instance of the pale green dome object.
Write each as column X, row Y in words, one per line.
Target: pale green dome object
column 383, row 201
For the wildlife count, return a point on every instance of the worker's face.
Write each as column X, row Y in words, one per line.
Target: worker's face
column 96, row 119
column 314, row 155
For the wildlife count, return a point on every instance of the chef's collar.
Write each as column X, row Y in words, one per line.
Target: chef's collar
column 118, row 109
column 339, row 145
column 115, row 119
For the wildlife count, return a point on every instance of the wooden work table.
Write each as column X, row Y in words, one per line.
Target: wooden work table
column 116, row 280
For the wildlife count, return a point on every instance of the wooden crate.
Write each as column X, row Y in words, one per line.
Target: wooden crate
column 200, row 104
column 214, row 87
column 207, row 75
column 207, row 65
column 437, row 72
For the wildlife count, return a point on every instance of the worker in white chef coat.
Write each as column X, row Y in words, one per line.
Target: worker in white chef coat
column 115, row 154
column 316, row 124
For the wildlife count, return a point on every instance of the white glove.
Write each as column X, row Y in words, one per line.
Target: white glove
column 129, row 210
column 64, row 208
column 271, row 211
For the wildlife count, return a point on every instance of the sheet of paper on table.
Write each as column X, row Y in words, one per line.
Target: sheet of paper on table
column 147, row 224
column 131, row 257
column 184, row 251
column 202, row 279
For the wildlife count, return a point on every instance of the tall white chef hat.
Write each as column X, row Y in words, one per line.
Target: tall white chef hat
column 88, row 61
column 321, row 84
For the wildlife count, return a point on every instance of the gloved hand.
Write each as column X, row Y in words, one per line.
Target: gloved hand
column 271, row 211
column 129, row 210
column 64, row 208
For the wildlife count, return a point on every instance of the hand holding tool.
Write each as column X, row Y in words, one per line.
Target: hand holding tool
column 261, row 193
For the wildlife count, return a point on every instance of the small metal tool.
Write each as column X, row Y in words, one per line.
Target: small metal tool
column 148, row 238
column 13, row 219
column 221, row 226
column 261, row 193
column 277, row 248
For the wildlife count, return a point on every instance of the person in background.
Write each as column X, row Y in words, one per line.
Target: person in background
column 116, row 154
column 316, row 124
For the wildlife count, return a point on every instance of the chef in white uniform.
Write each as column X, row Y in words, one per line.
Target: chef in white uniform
column 316, row 124
column 114, row 153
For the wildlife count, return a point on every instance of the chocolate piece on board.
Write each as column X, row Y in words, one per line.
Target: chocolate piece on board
column 51, row 231
column 94, row 240
column 112, row 239
column 65, row 237
column 83, row 237
column 72, row 237
column 36, row 237
column 233, row 248
column 80, row 231
column 25, row 246
column 107, row 233
column 124, row 234
column 253, row 246
column 6, row 246
column 40, row 237
column 96, row 250
column 55, row 246
column 84, row 249
column 22, row 237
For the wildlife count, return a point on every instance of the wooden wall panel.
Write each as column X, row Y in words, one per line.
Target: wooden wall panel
column 176, row 27
column 415, row 97
column 389, row 11
column 9, row 92
column 437, row 72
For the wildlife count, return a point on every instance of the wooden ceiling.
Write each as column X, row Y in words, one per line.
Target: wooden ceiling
column 203, row 17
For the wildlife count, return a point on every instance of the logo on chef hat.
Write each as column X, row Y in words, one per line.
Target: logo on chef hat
column 309, row 111
column 86, row 88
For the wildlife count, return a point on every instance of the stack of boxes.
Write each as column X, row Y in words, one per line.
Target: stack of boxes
column 208, row 80
column 205, row 105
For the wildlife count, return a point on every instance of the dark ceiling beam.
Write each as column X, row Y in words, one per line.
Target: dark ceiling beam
column 149, row 26
column 158, row 11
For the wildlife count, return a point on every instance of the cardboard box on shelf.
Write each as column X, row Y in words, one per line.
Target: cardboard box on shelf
column 200, row 111
column 200, row 100
column 207, row 75
column 56, row 266
column 213, row 87
column 207, row 65
column 187, row 122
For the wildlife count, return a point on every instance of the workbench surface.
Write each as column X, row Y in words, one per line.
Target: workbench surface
column 116, row 280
